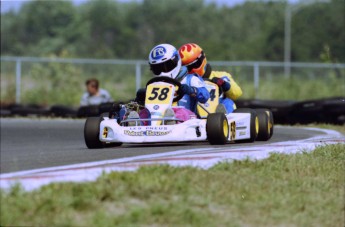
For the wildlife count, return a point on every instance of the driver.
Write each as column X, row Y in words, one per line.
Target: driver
column 164, row 60
column 194, row 58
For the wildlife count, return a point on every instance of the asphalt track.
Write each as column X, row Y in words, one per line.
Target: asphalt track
column 36, row 143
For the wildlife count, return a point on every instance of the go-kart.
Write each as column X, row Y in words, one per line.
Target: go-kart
column 161, row 93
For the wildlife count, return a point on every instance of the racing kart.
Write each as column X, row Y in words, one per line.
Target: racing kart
column 161, row 94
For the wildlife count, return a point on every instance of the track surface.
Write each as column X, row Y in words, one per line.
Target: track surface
column 37, row 143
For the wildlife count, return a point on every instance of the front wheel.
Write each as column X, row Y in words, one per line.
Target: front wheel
column 217, row 128
column 91, row 132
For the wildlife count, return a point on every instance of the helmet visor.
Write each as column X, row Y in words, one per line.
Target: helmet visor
column 164, row 67
column 197, row 62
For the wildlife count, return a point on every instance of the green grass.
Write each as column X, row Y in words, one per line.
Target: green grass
column 298, row 89
column 304, row 189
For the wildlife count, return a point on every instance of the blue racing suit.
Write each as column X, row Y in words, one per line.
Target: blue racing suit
column 199, row 94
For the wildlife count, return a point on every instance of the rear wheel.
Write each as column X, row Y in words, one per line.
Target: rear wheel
column 217, row 128
column 254, row 123
column 264, row 129
column 266, row 124
column 91, row 132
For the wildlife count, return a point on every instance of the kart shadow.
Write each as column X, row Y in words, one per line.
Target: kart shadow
column 148, row 145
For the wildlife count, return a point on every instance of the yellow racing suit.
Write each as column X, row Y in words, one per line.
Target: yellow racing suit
column 235, row 91
column 227, row 98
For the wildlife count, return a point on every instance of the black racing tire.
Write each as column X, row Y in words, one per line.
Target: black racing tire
column 334, row 111
column 217, row 128
column 254, row 123
column 63, row 111
column 270, row 120
column 91, row 132
column 30, row 110
column 5, row 113
column 307, row 112
column 105, row 114
column 281, row 109
column 221, row 108
column 88, row 111
column 264, row 126
column 105, row 107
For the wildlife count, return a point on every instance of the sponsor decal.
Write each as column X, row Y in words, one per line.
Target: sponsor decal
column 242, row 133
column 156, row 114
column 159, row 128
column 134, row 133
column 155, row 107
column 241, row 123
column 146, row 133
column 157, row 133
column 140, row 128
column 158, row 52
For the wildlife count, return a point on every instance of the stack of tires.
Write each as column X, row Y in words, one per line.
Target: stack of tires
column 24, row 110
column 330, row 110
column 281, row 109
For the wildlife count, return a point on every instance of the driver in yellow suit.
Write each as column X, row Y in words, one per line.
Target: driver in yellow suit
column 193, row 57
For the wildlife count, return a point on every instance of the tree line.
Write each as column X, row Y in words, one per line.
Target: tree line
column 111, row 29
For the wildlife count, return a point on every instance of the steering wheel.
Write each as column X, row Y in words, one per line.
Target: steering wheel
column 170, row 81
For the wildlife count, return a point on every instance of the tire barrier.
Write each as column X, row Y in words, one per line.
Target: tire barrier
column 63, row 111
column 96, row 110
column 331, row 110
column 334, row 110
column 88, row 111
column 5, row 113
column 29, row 110
column 328, row 110
column 281, row 109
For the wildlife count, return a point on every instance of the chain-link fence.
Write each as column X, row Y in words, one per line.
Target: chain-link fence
column 49, row 81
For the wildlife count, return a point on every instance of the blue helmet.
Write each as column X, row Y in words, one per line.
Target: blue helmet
column 165, row 60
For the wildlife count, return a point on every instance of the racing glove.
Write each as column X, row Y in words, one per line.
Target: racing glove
column 188, row 90
column 225, row 85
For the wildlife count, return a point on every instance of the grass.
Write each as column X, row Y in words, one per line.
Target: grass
column 304, row 189
column 279, row 88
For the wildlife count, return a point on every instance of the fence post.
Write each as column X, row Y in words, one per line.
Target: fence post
column 256, row 79
column 18, row 79
column 137, row 75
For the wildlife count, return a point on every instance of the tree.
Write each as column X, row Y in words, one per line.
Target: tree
column 111, row 29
